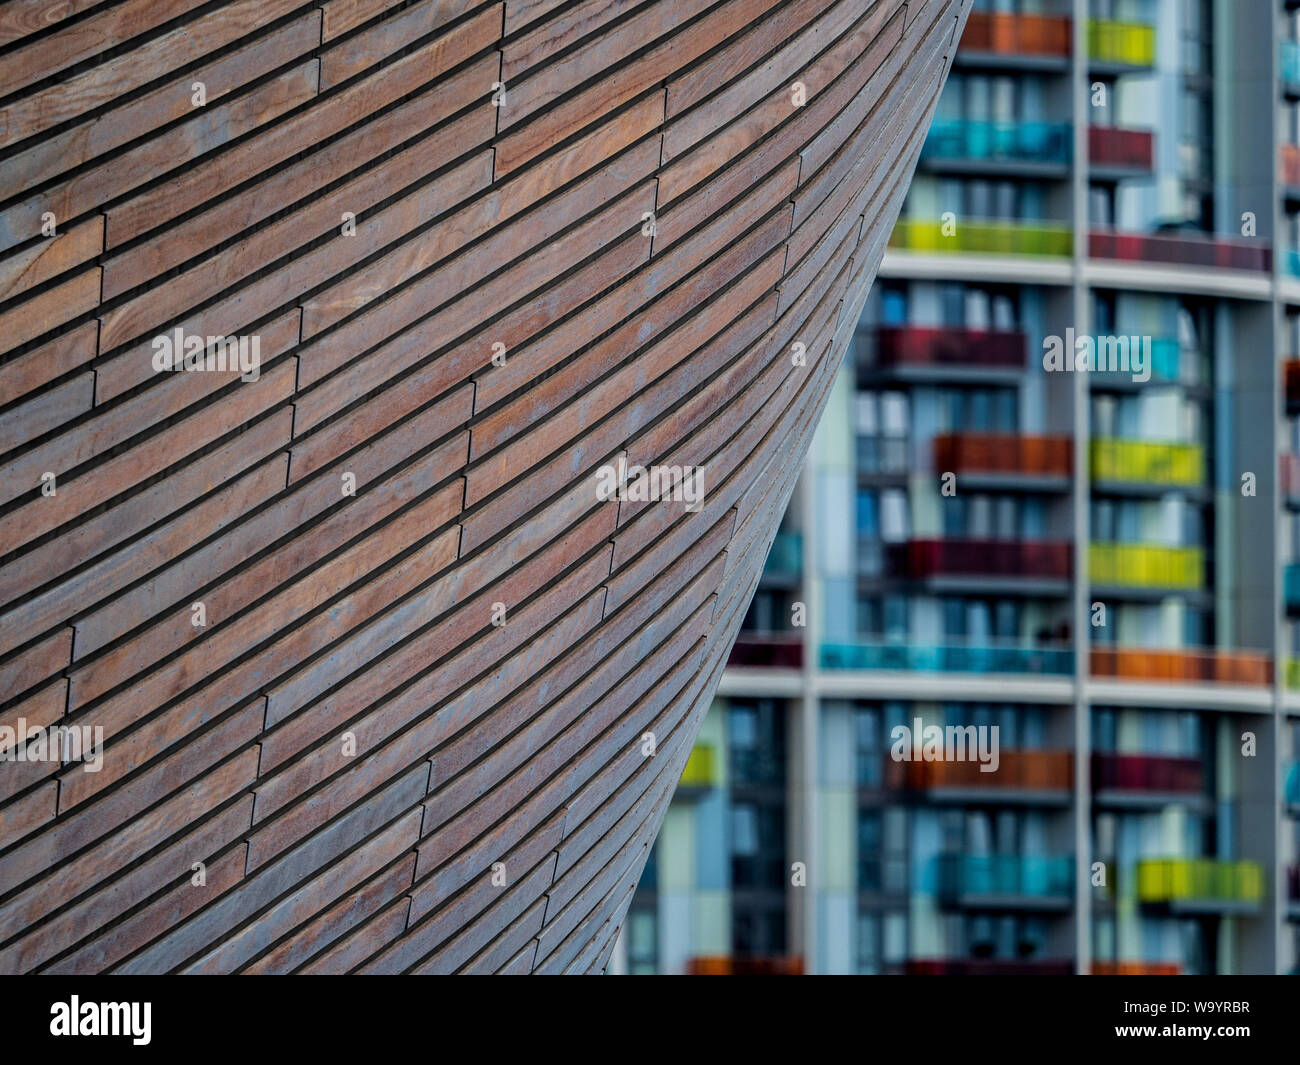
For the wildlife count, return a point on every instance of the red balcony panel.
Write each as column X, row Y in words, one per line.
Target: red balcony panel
column 781, row 652
column 1289, row 168
column 1135, row 968
column 1128, row 148
column 986, row 967
column 1017, row 770
column 1181, row 250
column 1292, row 371
column 1290, row 476
column 983, row 558
column 914, row 346
column 725, row 965
column 1185, row 666
column 1293, row 882
column 1004, row 453
column 1008, row 34
column 1146, row 772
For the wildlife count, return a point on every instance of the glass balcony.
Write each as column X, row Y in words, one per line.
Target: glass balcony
column 991, row 237
column 1291, row 676
column 1131, row 44
column 1146, row 566
column 899, row 346
column 1135, row 968
column 1037, row 771
column 1013, row 658
column 1291, row 262
column 1182, row 250
column 1291, row 784
column 785, row 560
column 1182, row 665
column 973, row 140
column 986, row 967
column 1112, row 148
column 1199, row 879
column 774, row 651
column 1289, row 62
column 1009, row 34
column 701, row 770
column 1004, row 453
column 921, row 559
column 969, row 876
column 1289, row 166
column 881, row 454
column 1291, row 583
column 1147, row 462
column 1146, row 772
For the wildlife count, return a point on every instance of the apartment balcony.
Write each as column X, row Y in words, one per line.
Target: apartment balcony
column 1291, row 371
column 1117, row 152
column 1136, row 968
column 1147, row 567
column 1006, row 459
column 1292, row 872
column 702, row 772
column 987, row 967
column 1146, row 781
column 768, row 651
column 1147, row 462
column 1181, row 666
column 984, row 237
column 1005, row 881
column 982, row 146
column 982, row 560
column 916, row 351
column 881, row 455
column 1013, row 658
column 784, row 563
column 1289, row 477
column 1201, row 885
column 1289, row 171
column 1289, row 67
column 726, row 965
column 1291, row 788
column 1123, row 45
column 1206, row 252
column 1291, row 587
column 1040, row 778
column 1014, row 36
column 1291, row 673
column 1166, row 362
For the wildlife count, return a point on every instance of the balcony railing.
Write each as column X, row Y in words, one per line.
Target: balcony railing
column 1121, row 149
column 1293, row 882
column 1004, row 453
column 1291, row 586
column 1166, row 357
column 986, row 967
column 1146, row 566
column 1135, row 968
column 1008, row 34
column 785, row 560
column 966, row 348
column 1291, row 673
column 1289, row 473
column 701, row 769
column 1291, row 785
column 921, row 559
column 964, row 875
column 1289, row 62
column 777, row 651
column 1130, row 43
column 1147, row 462
column 1291, row 373
column 990, row 141
column 1291, row 262
column 1204, row 251
column 1017, row 771
column 1184, row 665
column 1289, row 166
column 1146, row 772
column 1014, row 658
column 725, row 965
column 991, row 237
column 1196, row 879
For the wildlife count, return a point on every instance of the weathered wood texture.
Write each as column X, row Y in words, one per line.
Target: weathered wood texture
column 671, row 197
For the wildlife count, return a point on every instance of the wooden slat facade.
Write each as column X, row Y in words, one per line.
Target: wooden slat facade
column 280, row 599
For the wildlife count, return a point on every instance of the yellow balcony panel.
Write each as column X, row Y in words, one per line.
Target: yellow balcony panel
column 701, row 768
column 1146, row 566
column 996, row 238
column 1148, row 462
column 1171, row 880
column 1130, row 43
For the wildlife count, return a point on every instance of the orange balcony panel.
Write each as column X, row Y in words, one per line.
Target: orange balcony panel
column 1051, row 456
column 1010, row 34
column 1135, row 968
column 1189, row 666
column 1289, row 168
column 725, row 965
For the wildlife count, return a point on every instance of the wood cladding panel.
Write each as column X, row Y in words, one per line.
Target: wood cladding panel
column 342, row 615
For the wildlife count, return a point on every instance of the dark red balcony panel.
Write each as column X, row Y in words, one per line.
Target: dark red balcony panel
column 1130, row 149
column 986, row 967
column 983, row 558
column 1010, row 34
column 1146, row 772
column 1293, row 882
column 915, row 346
column 1039, row 456
column 1182, row 250
column 1292, row 371
column 782, row 652
column 725, row 965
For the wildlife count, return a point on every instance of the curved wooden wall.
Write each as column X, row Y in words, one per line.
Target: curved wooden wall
column 302, row 687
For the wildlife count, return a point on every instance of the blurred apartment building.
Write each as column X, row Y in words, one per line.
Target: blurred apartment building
column 1112, row 575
